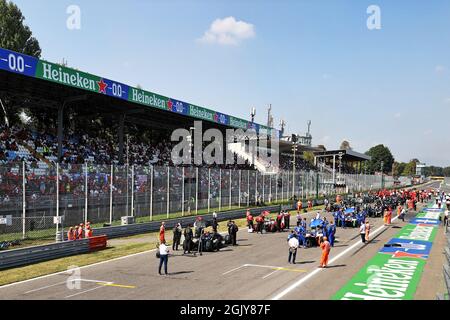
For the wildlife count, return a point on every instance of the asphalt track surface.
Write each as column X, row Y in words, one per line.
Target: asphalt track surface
column 255, row 269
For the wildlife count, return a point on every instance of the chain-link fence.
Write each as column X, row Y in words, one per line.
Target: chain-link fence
column 102, row 194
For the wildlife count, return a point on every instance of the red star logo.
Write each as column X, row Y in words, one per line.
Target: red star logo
column 401, row 254
column 169, row 104
column 102, row 86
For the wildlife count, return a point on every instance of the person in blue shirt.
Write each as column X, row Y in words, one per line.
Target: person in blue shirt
column 342, row 218
column 331, row 233
column 325, row 226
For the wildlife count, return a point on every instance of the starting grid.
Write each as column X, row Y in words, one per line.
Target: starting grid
column 395, row 271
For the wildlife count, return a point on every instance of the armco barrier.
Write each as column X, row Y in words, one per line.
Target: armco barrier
column 26, row 256
column 140, row 228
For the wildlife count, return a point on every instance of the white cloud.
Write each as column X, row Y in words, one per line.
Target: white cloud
column 397, row 115
column 228, row 31
column 428, row 132
column 439, row 69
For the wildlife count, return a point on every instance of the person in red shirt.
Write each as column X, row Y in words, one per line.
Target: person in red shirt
column 249, row 221
column 71, row 235
column 80, row 233
column 89, row 232
column 162, row 230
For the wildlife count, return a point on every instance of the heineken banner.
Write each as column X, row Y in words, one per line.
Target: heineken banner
column 384, row 277
column 395, row 271
column 32, row 67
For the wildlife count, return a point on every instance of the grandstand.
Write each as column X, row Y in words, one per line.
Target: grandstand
column 97, row 150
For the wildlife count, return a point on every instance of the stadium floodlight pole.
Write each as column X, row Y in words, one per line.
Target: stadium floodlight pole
column 196, row 190
column 151, row 192
column 24, row 206
column 111, row 181
column 282, row 186
column 168, row 191
column 182, row 192
column 85, row 194
column 209, row 190
column 132, row 190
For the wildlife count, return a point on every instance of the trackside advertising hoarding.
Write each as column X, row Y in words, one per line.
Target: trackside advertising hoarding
column 32, row 67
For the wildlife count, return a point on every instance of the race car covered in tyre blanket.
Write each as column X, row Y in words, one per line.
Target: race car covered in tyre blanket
column 210, row 242
column 264, row 223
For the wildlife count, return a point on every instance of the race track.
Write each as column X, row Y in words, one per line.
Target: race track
column 256, row 269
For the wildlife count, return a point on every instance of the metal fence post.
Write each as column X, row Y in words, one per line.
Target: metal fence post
column 132, row 190
column 57, row 196
column 231, row 186
column 182, row 192
column 270, row 189
column 196, row 190
column 111, row 186
column 276, row 187
column 248, row 188
column 256, row 188
column 168, row 192
column 220, row 189
column 151, row 193
column 209, row 190
column 85, row 194
column 263, row 187
column 23, row 201
column 239, row 188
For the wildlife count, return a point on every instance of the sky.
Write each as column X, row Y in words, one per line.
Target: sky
column 312, row 60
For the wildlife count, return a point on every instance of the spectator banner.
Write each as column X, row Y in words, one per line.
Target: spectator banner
column 32, row 67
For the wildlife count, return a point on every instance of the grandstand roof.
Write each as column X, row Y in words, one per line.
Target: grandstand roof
column 347, row 155
column 46, row 82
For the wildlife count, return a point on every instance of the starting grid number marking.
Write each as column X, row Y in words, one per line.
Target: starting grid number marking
column 267, row 267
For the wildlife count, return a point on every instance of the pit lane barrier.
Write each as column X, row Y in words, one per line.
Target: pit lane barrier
column 31, row 255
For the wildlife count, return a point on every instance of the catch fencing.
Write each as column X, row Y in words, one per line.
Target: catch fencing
column 30, row 197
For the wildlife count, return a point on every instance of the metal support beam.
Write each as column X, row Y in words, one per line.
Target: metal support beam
column 60, row 130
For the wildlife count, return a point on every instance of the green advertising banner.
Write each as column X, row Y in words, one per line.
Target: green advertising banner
column 201, row 113
column 147, row 98
column 15, row 62
column 384, row 278
column 66, row 76
column 417, row 232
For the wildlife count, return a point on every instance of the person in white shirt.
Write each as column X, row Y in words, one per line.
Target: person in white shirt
column 163, row 257
column 362, row 232
column 293, row 245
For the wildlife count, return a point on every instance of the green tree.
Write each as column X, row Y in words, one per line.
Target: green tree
column 410, row 168
column 398, row 168
column 379, row 154
column 14, row 34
